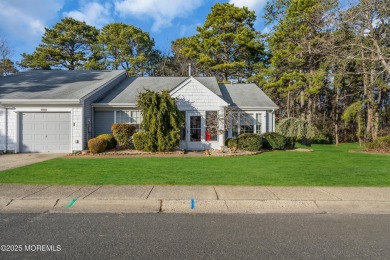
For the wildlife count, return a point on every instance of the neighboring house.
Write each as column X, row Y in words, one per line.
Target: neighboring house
column 58, row 111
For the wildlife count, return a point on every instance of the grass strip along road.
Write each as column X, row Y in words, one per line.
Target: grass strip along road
column 328, row 165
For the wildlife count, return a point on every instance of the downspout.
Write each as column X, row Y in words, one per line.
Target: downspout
column 5, row 128
column 273, row 121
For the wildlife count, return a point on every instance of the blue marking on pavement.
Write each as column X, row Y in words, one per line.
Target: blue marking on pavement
column 192, row 203
column 71, row 203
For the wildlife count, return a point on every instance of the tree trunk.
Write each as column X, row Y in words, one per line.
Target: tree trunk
column 336, row 116
column 309, row 115
column 302, row 105
column 288, row 104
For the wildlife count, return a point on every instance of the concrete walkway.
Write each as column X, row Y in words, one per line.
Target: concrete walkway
column 193, row 199
column 10, row 161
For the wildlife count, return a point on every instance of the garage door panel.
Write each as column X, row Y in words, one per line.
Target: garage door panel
column 52, row 137
column 37, row 137
column 51, row 116
column 58, row 148
column 63, row 127
column 38, row 116
column 28, row 127
column 64, row 138
column 36, row 148
column 45, row 132
column 64, row 116
column 52, row 127
column 38, row 127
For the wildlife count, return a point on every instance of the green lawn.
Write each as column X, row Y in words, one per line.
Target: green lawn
column 329, row 165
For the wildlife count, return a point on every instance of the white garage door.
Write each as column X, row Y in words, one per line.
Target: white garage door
column 45, row 132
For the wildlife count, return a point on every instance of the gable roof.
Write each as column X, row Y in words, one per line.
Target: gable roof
column 73, row 86
column 246, row 95
column 127, row 91
column 54, row 84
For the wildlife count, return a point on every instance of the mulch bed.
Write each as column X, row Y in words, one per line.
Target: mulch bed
column 371, row 151
column 135, row 153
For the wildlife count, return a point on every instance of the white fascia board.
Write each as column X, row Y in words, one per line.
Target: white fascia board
column 223, row 102
column 181, row 85
column 40, row 101
column 114, row 105
column 254, row 108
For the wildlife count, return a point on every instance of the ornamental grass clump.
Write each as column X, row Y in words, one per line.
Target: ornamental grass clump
column 295, row 129
column 97, row 145
column 380, row 143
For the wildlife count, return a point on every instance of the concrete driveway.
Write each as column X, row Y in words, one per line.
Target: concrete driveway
column 10, row 161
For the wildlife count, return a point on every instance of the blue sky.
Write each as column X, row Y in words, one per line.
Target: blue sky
column 23, row 21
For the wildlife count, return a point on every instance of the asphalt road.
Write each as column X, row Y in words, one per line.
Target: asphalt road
column 174, row 236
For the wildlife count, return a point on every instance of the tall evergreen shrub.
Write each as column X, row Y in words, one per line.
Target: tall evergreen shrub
column 161, row 121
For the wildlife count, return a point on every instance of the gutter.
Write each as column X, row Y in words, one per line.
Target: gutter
column 6, row 130
column 5, row 127
column 255, row 108
column 114, row 105
column 41, row 101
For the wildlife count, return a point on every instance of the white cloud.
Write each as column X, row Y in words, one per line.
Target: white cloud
column 27, row 19
column 254, row 5
column 94, row 13
column 190, row 29
column 163, row 12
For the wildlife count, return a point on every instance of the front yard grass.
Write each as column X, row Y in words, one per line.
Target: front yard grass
column 329, row 165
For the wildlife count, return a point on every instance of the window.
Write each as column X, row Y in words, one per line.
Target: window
column 258, row 123
column 246, row 123
column 242, row 122
column 211, row 126
column 132, row 117
column 195, row 128
column 235, row 120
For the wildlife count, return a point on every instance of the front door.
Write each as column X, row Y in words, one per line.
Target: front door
column 195, row 131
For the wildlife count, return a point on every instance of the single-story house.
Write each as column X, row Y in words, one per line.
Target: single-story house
column 59, row 111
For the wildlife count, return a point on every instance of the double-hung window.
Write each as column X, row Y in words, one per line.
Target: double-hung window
column 246, row 123
column 132, row 117
column 243, row 122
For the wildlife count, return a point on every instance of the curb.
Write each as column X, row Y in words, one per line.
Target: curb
column 193, row 206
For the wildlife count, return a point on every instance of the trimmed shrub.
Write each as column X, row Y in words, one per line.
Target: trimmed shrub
column 139, row 140
column 231, row 143
column 274, row 141
column 97, row 145
column 249, row 142
column 380, row 143
column 122, row 133
column 290, row 143
column 111, row 142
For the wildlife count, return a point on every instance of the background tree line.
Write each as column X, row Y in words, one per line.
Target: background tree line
column 327, row 64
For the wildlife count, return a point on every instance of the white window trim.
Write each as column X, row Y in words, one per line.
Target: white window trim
column 127, row 110
column 263, row 119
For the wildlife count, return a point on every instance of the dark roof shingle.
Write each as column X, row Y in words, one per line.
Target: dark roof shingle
column 54, row 84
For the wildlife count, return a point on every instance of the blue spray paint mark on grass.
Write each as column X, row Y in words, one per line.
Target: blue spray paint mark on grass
column 71, row 203
column 192, row 204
